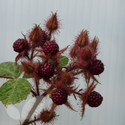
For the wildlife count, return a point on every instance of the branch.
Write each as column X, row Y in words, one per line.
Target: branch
column 32, row 54
column 7, row 77
column 33, row 93
column 38, row 100
column 37, row 87
column 78, row 93
column 32, row 121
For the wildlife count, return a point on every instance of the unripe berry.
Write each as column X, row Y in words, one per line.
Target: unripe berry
column 74, row 51
column 86, row 54
column 38, row 36
column 47, row 116
column 94, row 44
column 67, row 78
column 28, row 67
column 82, row 40
column 52, row 24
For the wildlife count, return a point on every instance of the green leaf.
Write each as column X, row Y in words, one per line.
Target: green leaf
column 63, row 61
column 14, row 91
column 10, row 69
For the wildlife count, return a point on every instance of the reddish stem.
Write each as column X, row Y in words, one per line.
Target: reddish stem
column 50, row 35
column 7, row 77
column 32, row 53
column 78, row 72
column 32, row 121
column 78, row 93
column 33, row 93
column 37, row 86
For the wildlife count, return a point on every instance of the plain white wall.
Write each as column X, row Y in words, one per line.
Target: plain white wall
column 103, row 18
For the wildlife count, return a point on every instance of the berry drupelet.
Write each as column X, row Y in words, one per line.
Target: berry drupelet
column 19, row 45
column 94, row 99
column 50, row 48
column 45, row 71
column 59, row 96
column 96, row 67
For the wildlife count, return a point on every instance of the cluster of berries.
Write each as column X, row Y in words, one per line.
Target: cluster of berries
column 61, row 79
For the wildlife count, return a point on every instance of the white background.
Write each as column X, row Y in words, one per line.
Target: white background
column 103, row 18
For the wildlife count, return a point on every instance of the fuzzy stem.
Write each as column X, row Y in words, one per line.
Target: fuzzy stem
column 7, row 77
column 32, row 121
column 37, row 86
column 78, row 93
column 27, row 56
column 33, row 93
column 50, row 35
column 78, row 72
column 32, row 53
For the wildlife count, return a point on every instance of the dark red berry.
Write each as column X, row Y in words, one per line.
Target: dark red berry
column 94, row 99
column 44, row 37
column 50, row 48
column 59, row 96
column 46, row 71
column 96, row 67
column 19, row 45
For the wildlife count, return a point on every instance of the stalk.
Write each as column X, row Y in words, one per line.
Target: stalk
column 37, row 102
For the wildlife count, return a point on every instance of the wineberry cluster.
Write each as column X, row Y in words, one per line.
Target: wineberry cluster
column 41, row 58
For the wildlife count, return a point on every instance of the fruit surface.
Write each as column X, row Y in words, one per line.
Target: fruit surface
column 94, row 99
column 50, row 48
column 19, row 45
column 96, row 67
column 46, row 71
column 59, row 96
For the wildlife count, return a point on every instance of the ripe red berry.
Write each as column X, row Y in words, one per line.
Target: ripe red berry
column 50, row 48
column 96, row 67
column 94, row 99
column 59, row 96
column 46, row 71
column 19, row 45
